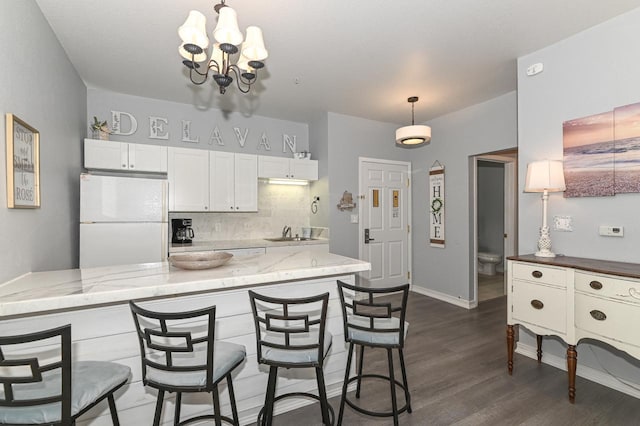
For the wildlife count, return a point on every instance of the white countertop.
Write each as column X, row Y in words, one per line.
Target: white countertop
column 75, row 288
column 239, row 244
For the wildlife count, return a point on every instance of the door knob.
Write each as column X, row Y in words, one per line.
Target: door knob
column 366, row 236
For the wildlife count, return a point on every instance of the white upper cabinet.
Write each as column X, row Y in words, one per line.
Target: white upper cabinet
column 112, row 155
column 233, row 186
column 188, row 180
column 287, row 168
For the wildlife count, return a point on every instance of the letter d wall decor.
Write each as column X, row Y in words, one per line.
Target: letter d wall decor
column 436, row 205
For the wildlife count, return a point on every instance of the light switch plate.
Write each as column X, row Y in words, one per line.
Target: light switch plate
column 354, row 218
column 563, row 223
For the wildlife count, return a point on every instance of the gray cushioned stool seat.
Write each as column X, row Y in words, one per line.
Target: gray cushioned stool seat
column 298, row 356
column 372, row 336
column 91, row 380
column 225, row 356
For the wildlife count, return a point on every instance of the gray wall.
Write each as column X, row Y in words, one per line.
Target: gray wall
column 591, row 72
column 350, row 138
column 319, row 147
column 39, row 85
column 485, row 127
column 491, row 207
column 100, row 103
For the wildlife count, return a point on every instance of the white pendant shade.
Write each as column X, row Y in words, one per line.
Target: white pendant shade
column 243, row 61
column 227, row 30
column 200, row 57
column 413, row 135
column 194, row 31
column 545, row 175
column 253, row 48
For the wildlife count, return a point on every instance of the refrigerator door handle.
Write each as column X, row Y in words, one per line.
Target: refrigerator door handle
column 165, row 201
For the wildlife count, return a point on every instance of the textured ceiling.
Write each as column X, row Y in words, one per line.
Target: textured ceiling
column 356, row 57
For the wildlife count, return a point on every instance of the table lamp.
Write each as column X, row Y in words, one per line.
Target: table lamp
column 544, row 176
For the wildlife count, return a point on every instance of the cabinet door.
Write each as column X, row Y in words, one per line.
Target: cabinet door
column 273, row 167
column 246, row 182
column 147, row 158
column 188, row 173
column 303, row 169
column 107, row 155
column 221, row 184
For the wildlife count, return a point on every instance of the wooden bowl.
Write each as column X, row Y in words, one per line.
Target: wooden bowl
column 200, row 260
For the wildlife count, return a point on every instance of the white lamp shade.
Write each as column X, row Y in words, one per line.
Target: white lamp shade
column 545, row 175
column 253, row 48
column 227, row 30
column 194, row 30
column 413, row 135
column 243, row 61
column 200, row 57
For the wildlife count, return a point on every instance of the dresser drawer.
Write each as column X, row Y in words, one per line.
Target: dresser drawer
column 608, row 286
column 538, row 273
column 540, row 305
column 607, row 318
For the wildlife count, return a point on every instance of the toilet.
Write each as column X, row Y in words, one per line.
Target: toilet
column 488, row 262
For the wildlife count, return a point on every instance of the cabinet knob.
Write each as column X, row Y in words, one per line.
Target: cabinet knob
column 537, row 274
column 596, row 285
column 206, row 208
column 124, row 166
column 131, row 166
column 598, row 315
column 231, row 207
column 237, row 208
column 537, row 304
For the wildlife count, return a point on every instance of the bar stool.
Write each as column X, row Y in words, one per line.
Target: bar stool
column 291, row 333
column 42, row 385
column 183, row 356
column 371, row 323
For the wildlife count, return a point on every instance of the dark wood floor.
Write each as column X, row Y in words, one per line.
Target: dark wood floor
column 457, row 372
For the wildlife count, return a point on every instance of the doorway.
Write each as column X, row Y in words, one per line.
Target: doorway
column 495, row 215
column 385, row 221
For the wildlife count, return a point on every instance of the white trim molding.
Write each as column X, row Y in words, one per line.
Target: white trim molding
column 467, row 304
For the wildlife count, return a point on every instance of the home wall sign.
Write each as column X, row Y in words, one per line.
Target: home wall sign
column 436, row 205
column 602, row 153
column 126, row 124
column 23, row 164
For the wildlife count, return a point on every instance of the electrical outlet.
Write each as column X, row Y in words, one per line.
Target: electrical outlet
column 611, row 231
column 217, row 227
column 354, row 218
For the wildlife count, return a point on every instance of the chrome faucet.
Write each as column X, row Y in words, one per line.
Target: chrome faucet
column 286, row 230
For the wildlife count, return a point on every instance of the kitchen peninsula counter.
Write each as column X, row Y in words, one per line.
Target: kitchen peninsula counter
column 75, row 288
column 95, row 302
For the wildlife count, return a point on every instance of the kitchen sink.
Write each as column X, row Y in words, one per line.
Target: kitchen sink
column 278, row 239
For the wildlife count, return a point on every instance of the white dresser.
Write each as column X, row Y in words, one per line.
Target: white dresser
column 573, row 298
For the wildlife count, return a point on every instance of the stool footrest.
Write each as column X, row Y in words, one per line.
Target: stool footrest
column 297, row 394
column 205, row 417
column 375, row 413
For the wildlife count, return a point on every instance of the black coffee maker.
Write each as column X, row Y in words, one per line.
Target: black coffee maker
column 181, row 231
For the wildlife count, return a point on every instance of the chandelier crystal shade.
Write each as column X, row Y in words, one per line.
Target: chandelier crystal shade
column 226, row 61
column 414, row 135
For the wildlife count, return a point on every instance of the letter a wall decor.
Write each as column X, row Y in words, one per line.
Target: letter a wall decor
column 436, row 205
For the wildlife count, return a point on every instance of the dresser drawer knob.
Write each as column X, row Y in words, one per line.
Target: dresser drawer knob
column 598, row 315
column 537, row 274
column 537, row 304
column 596, row 285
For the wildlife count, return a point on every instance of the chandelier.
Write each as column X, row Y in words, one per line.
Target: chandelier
column 222, row 65
column 414, row 135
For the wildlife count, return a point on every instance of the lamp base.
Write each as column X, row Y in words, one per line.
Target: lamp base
column 544, row 243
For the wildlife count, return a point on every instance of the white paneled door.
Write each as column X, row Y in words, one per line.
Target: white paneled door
column 385, row 221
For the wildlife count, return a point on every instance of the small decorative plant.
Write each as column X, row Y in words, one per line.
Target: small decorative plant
column 99, row 129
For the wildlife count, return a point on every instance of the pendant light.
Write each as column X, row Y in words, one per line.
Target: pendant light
column 414, row 135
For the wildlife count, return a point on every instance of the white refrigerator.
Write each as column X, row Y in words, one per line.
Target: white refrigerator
column 123, row 220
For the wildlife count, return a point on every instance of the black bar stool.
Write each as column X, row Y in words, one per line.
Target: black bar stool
column 41, row 385
column 291, row 333
column 372, row 322
column 183, row 356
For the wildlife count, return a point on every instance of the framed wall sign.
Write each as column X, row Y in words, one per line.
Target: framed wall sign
column 436, row 205
column 23, row 164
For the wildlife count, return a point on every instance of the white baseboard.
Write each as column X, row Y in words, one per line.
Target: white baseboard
column 445, row 297
column 588, row 373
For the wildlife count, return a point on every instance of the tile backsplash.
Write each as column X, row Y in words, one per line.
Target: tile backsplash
column 278, row 206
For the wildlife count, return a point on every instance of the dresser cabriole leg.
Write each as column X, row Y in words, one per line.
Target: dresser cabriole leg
column 510, row 337
column 572, row 363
